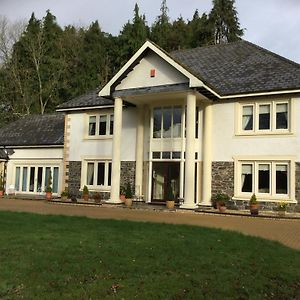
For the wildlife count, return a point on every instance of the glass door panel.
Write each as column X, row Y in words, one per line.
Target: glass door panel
column 31, row 179
column 24, row 179
column 55, row 180
column 39, row 179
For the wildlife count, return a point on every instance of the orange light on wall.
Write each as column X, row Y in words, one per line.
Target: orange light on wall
column 152, row 73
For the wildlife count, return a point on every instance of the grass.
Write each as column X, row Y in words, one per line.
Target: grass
column 55, row 257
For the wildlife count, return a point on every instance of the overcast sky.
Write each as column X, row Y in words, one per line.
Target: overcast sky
column 272, row 24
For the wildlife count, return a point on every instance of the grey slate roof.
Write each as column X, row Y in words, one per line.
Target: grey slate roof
column 89, row 99
column 240, row 67
column 34, row 130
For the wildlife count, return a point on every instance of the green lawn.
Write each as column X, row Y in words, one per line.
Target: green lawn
column 55, row 257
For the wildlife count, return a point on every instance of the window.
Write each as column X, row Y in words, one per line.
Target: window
column 262, row 118
column 98, row 174
column 267, row 179
column 101, row 125
column 34, row 178
column 167, row 122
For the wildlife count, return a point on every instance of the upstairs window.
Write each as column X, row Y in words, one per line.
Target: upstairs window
column 167, row 122
column 101, row 125
column 271, row 117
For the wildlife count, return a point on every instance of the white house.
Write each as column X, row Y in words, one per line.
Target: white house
column 213, row 119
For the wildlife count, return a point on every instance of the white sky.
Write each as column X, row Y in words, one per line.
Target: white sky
column 272, row 24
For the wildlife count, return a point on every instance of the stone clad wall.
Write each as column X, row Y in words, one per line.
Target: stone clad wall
column 222, row 178
column 74, row 177
column 128, row 174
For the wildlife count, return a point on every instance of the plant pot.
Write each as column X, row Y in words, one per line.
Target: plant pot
column 48, row 195
column 254, row 209
column 85, row 197
column 281, row 213
column 222, row 208
column 1, row 193
column 170, row 204
column 64, row 198
column 128, row 202
column 122, row 198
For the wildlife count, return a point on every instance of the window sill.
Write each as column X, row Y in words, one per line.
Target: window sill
column 97, row 138
column 265, row 199
column 264, row 133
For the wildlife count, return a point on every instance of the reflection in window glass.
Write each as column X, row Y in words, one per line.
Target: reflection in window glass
column 47, row 175
column 102, row 125
column 109, row 173
column 156, row 155
column 281, row 179
column 39, row 179
column 111, row 124
column 157, row 115
column 264, row 178
column 177, row 112
column 176, row 155
column 92, row 125
column 167, row 121
column 282, row 116
column 166, row 155
column 247, row 118
column 24, row 179
column 17, row 179
column 101, row 172
column 31, row 179
column 247, row 178
column 264, row 117
column 90, row 174
column 55, row 180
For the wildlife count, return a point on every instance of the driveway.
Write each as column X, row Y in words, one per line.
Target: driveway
column 281, row 230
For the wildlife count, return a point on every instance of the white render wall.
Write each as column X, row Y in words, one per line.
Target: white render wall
column 81, row 146
column 226, row 144
column 140, row 77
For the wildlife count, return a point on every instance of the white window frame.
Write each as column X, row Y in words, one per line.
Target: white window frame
column 256, row 131
column 95, row 161
column 107, row 135
column 273, row 162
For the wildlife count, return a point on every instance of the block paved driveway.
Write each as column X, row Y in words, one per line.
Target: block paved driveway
column 284, row 231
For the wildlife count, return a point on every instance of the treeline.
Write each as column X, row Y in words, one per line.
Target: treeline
column 47, row 65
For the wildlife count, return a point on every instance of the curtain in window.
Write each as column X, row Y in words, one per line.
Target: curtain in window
column 92, row 125
column 246, row 178
column 282, row 116
column 264, row 178
column 247, row 118
column 90, row 174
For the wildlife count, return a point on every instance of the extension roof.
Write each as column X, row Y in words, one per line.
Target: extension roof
column 240, row 68
column 34, row 130
column 90, row 99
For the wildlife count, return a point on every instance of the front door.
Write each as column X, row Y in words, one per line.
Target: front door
column 164, row 176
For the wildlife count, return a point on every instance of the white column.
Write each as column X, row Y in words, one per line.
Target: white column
column 116, row 155
column 189, row 179
column 207, row 155
column 139, row 152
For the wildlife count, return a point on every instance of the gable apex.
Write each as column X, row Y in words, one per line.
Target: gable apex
column 137, row 57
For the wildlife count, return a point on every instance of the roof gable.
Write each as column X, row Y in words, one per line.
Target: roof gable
column 108, row 89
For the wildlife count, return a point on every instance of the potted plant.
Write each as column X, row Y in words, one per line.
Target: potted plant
column 221, row 200
column 128, row 195
column 49, row 187
column 253, row 205
column 281, row 208
column 64, row 195
column 170, row 202
column 1, row 185
column 122, row 193
column 85, row 193
column 97, row 198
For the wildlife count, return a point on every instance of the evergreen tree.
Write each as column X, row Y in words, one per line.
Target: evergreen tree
column 132, row 36
column 224, row 19
column 179, row 35
column 161, row 29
